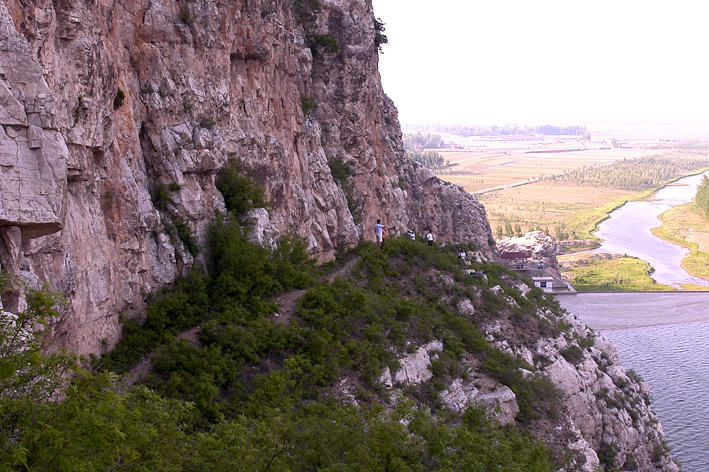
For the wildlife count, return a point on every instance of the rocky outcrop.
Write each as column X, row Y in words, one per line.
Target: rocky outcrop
column 608, row 408
column 108, row 108
column 539, row 246
column 415, row 368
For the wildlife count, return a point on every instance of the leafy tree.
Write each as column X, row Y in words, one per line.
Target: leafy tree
column 240, row 193
column 508, row 229
column 430, row 159
column 702, row 198
column 420, row 142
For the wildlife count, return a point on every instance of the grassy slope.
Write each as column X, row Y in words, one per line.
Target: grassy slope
column 624, row 274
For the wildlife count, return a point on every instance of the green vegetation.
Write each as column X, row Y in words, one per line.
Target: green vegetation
column 327, row 42
column 380, row 38
column 416, row 146
column 307, row 103
column 342, row 174
column 687, row 226
column 238, row 387
column 573, row 204
column 240, row 193
column 161, row 194
column 430, row 159
column 118, row 100
column 639, row 174
column 420, row 142
column 622, row 274
column 702, row 198
column 254, row 393
column 176, row 227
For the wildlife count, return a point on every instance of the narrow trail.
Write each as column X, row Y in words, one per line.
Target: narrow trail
column 287, row 302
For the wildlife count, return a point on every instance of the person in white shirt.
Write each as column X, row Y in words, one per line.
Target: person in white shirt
column 378, row 232
column 429, row 238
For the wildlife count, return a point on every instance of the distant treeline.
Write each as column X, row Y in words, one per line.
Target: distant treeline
column 419, row 142
column 430, row 159
column 494, row 130
column 638, row 174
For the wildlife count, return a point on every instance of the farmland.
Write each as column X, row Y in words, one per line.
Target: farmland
column 564, row 188
column 481, row 170
column 567, row 185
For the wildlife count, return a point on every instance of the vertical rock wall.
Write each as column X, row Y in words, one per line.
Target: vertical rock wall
column 104, row 103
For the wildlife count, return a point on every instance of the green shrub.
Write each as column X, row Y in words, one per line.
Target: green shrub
column 184, row 232
column 573, row 354
column 307, row 103
column 379, row 37
column 240, row 193
column 161, row 194
column 118, row 99
column 322, row 41
column 702, row 197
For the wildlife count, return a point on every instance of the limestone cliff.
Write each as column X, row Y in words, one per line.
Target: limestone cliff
column 109, row 108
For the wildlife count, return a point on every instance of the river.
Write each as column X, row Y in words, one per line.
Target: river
column 627, row 231
column 663, row 336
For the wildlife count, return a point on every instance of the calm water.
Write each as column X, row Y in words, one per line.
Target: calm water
column 627, row 231
column 665, row 338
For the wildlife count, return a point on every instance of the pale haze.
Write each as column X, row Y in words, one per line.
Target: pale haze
column 529, row 62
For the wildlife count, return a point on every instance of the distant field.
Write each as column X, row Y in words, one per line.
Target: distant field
column 566, row 209
column 553, row 206
column 479, row 170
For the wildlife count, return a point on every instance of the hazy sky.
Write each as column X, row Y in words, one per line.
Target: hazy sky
column 535, row 62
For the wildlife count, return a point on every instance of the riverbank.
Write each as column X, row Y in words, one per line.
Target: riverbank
column 603, row 272
column 571, row 206
column 633, row 230
column 686, row 226
column 590, row 221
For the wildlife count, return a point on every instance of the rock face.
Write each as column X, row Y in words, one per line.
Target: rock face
column 607, row 408
column 104, row 105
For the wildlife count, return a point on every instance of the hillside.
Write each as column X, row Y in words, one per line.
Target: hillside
column 199, row 180
column 390, row 358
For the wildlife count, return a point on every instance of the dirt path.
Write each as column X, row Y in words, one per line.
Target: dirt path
column 288, row 301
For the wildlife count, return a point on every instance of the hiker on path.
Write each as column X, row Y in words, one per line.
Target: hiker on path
column 461, row 255
column 412, row 235
column 378, row 232
column 429, row 238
